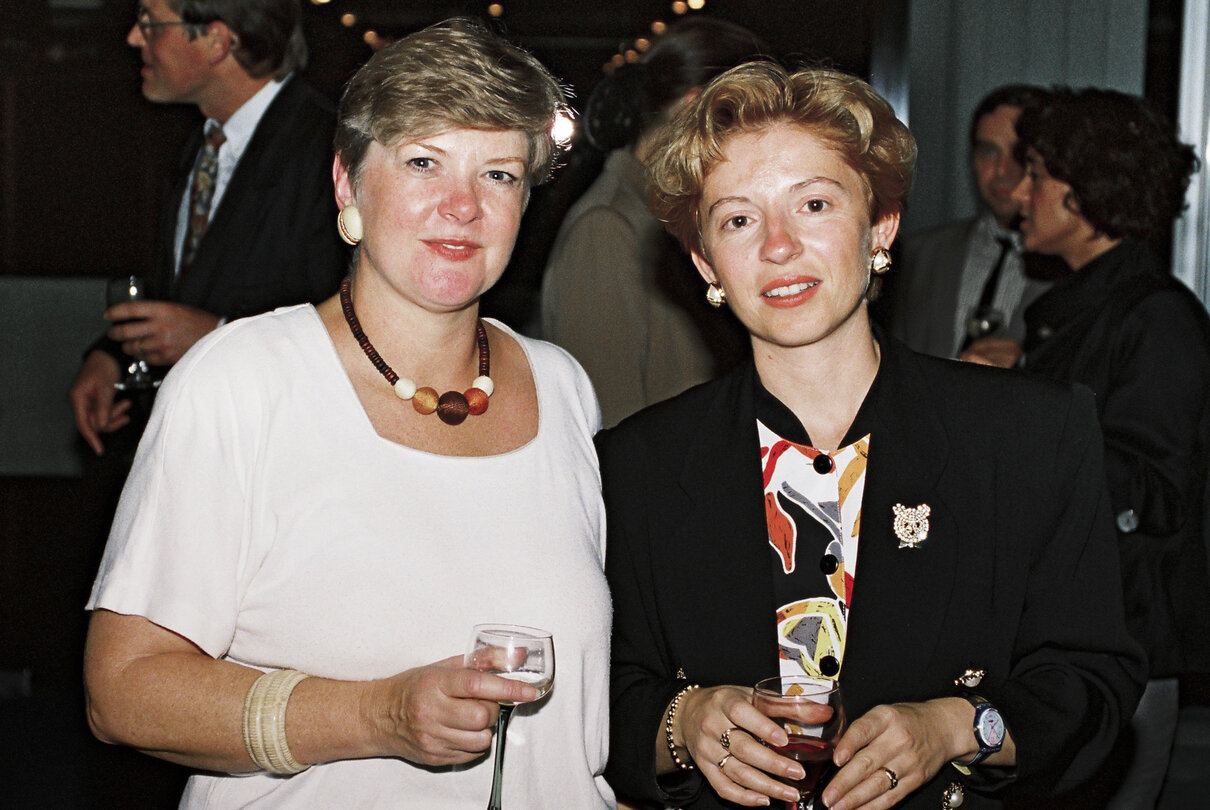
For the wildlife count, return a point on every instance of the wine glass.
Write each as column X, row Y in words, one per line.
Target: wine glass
column 120, row 291
column 519, row 653
column 793, row 701
column 983, row 321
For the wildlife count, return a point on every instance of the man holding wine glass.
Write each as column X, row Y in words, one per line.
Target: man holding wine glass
column 311, row 529
column 844, row 515
column 246, row 220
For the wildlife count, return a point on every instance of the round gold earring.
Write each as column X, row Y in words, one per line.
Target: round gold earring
column 348, row 223
column 880, row 262
column 715, row 296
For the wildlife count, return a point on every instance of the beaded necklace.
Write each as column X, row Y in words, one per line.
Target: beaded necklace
column 452, row 407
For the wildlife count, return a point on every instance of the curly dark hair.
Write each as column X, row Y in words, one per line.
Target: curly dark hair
column 1127, row 170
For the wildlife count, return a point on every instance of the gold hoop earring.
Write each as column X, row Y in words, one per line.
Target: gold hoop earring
column 348, row 223
column 715, row 296
column 880, row 262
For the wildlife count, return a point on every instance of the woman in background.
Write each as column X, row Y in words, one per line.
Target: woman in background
column 1104, row 174
column 308, row 538
column 618, row 293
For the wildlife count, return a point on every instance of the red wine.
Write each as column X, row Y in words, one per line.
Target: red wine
column 815, row 756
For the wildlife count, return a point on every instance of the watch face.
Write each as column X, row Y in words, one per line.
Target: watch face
column 990, row 727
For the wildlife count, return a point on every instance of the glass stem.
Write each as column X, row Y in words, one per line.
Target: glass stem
column 506, row 711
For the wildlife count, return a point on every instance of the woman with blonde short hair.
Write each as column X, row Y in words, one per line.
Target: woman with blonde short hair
column 931, row 536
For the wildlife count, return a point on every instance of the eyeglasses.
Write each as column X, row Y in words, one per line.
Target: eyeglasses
column 146, row 25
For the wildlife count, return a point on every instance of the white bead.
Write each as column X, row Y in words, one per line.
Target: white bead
column 484, row 384
column 405, row 388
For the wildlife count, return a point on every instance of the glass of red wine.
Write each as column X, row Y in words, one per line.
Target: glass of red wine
column 811, row 713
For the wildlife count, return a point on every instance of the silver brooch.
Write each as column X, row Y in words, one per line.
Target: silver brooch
column 911, row 524
column 969, row 679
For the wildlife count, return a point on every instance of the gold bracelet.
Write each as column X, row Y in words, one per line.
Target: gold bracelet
column 684, row 765
column 264, row 724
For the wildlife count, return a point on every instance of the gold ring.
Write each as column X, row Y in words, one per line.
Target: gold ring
column 894, row 777
column 726, row 738
column 723, row 761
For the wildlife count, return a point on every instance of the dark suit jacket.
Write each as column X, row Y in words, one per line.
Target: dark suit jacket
column 1018, row 575
column 272, row 241
column 1141, row 341
column 925, row 283
column 925, row 288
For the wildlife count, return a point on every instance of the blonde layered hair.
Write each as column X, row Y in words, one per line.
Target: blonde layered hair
column 453, row 75
column 841, row 109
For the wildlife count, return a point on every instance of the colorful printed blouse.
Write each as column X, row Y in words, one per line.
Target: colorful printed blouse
column 813, row 515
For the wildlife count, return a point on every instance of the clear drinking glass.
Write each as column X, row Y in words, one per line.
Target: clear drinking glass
column 521, row 654
column 983, row 322
column 122, row 290
column 793, row 702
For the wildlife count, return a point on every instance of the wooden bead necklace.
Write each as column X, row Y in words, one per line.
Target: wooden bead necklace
column 451, row 407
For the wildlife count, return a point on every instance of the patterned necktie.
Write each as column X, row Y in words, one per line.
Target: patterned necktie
column 201, row 193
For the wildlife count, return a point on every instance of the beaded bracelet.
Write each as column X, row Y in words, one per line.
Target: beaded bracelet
column 264, row 725
column 684, row 765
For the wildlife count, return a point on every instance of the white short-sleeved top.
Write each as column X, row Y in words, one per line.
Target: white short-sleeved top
column 266, row 521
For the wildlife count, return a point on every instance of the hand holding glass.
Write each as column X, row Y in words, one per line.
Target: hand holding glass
column 521, row 654
column 795, row 704
column 122, row 291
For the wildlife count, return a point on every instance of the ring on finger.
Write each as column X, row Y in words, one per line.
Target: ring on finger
column 893, row 777
column 723, row 761
column 725, row 739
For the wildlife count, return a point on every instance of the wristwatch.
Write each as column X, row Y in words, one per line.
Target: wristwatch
column 989, row 729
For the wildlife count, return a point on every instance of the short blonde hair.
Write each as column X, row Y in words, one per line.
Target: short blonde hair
column 839, row 108
column 453, row 75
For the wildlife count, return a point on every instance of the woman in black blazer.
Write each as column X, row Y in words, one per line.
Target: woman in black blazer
column 986, row 587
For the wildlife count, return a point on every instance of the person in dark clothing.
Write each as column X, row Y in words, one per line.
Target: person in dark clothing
column 253, row 233
column 1104, row 173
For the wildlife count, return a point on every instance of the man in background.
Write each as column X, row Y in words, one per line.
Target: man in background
column 249, row 218
column 962, row 287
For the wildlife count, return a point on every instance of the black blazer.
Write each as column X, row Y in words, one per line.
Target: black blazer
column 923, row 296
column 1141, row 341
column 1018, row 576
column 272, row 241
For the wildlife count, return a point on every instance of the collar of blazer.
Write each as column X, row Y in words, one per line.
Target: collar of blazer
column 901, row 595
